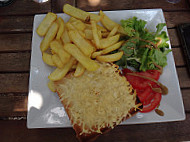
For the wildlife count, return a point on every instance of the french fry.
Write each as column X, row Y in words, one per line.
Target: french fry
column 109, row 24
column 111, row 57
column 58, row 49
column 95, row 54
column 58, row 74
column 65, row 37
column 46, row 23
column 49, row 37
column 88, row 63
column 70, row 26
column 79, row 70
column 80, row 14
column 54, row 45
column 95, row 34
column 72, row 19
column 100, row 28
column 61, row 28
column 88, row 34
column 81, row 43
column 106, row 42
column 82, row 33
column 99, row 34
column 111, row 48
column 74, row 66
column 105, row 35
column 113, row 31
column 47, row 58
column 51, row 86
column 57, row 61
column 79, row 25
column 88, row 26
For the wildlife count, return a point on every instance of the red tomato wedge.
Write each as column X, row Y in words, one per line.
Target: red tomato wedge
column 137, row 82
column 149, row 99
column 143, row 86
column 154, row 74
column 143, row 94
column 153, row 104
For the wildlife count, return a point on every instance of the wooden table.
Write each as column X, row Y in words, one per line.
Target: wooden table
column 16, row 23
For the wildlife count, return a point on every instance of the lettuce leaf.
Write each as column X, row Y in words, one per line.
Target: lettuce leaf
column 143, row 49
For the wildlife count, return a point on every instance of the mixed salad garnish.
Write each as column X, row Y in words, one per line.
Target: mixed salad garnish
column 143, row 50
column 146, row 52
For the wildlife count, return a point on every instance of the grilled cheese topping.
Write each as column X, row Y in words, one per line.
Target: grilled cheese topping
column 97, row 99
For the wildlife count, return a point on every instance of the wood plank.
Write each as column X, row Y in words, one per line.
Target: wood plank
column 14, row 62
column 20, row 62
column 14, row 82
column 175, row 18
column 173, row 131
column 186, row 99
column 22, row 41
column 174, row 38
column 18, row 82
column 57, row 6
column 178, row 57
column 16, row 24
column 12, row 106
column 15, row 42
column 184, row 77
column 25, row 7
column 92, row 5
column 15, row 105
column 25, row 23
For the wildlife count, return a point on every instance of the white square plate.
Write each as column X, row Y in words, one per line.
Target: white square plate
column 44, row 107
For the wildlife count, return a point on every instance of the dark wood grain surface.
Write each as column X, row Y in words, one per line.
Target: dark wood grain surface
column 16, row 23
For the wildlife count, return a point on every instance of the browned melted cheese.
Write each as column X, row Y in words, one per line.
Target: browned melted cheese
column 97, row 99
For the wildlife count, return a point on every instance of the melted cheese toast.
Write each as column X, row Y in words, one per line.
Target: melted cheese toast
column 97, row 101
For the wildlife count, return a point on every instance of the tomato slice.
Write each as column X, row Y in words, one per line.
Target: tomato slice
column 137, row 82
column 153, row 104
column 149, row 99
column 154, row 74
column 126, row 70
column 143, row 94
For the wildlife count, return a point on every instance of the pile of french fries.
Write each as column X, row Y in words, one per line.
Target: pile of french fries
column 78, row 43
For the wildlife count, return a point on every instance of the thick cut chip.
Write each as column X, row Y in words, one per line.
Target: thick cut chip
column 61, row 28
column 70, row 26
column 88, row 34
column 112, row 48
column 57, row 61
column 79, row 70
column 49, row 37
column 111, row 57
column 58, row 49
column 98, row 101
column 80, row 14
column 88, row 63
column 95, row 54
column 47, row 58
column 46, row 23
column 51, row 86
column 65, row 37
column 95, row 34
column 109, row 24
column 58, row 74
column 81, row 43
column 106, row 42
column 79, row 25
column 113, row 31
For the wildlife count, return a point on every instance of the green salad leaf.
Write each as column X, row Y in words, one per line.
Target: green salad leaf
column 143, row 50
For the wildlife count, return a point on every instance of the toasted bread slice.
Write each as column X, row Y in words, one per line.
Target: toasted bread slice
column 97, row 101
